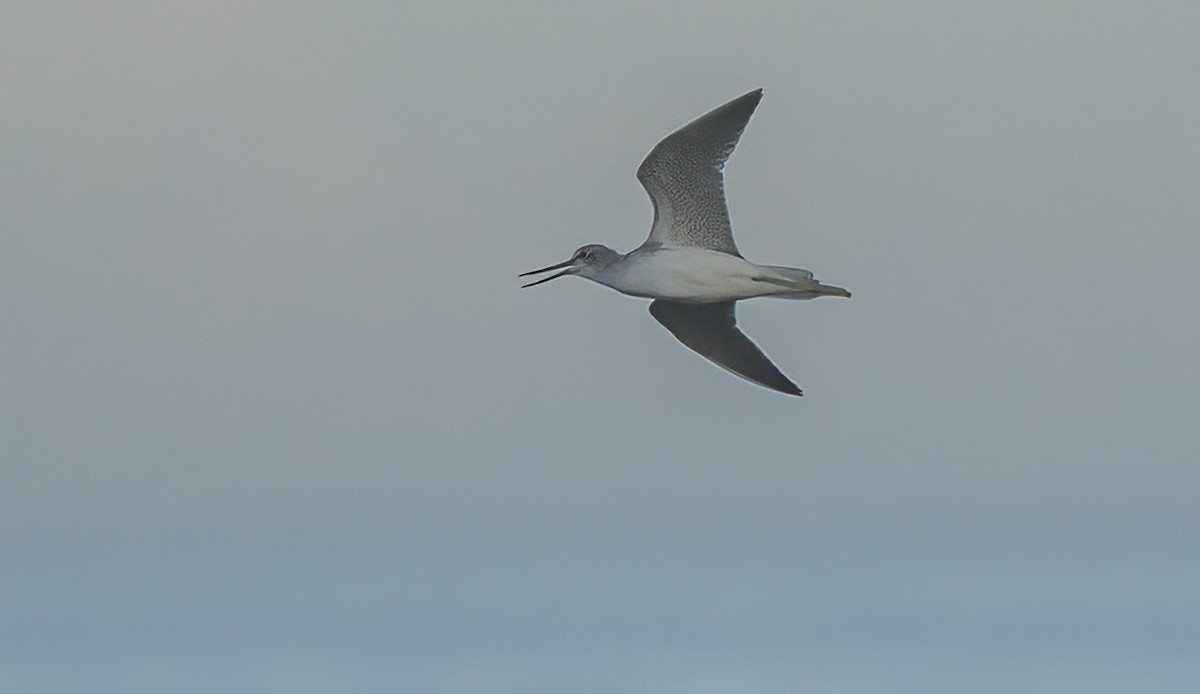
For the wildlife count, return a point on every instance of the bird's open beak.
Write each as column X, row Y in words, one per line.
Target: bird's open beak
column 566, row 263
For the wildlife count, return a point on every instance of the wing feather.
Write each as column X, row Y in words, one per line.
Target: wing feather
column 711, row 331
column 683, row 176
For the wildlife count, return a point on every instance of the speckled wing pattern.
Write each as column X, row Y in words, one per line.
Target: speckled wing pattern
column 683, row 176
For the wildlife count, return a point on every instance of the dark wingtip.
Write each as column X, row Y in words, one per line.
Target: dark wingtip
column 751, row 97
column 783, row 384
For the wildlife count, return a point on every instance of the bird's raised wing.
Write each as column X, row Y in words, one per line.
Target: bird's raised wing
column 683, row 176
column 711, row 331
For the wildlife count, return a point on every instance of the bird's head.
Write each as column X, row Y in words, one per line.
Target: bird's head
column 586, row 261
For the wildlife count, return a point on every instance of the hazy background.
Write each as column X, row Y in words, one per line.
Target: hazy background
column 277, row 418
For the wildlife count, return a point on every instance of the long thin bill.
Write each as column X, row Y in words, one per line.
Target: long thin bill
column 545, row 279
column 547, row 269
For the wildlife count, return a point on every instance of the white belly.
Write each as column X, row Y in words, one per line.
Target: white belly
column 687, row 274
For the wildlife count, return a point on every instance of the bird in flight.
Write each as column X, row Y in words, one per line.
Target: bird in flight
column 689, row 265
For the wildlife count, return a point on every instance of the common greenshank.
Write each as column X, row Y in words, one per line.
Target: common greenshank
column 689, row 265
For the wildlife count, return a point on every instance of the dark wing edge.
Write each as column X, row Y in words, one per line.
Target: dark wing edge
column 711, row 331
column 716, row 133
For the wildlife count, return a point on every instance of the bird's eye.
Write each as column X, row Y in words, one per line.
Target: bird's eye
column 585, row 254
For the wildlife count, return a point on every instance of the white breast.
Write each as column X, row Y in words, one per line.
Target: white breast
column 685, row 274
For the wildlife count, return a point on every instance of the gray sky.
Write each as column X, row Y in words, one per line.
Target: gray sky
column 265, row 351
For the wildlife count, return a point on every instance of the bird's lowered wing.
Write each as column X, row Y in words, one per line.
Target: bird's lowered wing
column 711, row 331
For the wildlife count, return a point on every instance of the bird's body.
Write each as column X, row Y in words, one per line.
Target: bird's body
column 690, row 264
column 700, row 276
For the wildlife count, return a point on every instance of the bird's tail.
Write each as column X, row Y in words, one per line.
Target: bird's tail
column 799, row 284
column 831, row 290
